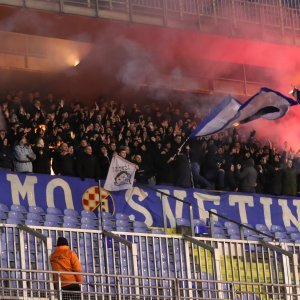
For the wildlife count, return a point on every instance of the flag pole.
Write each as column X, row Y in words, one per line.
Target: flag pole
column 188, row 157
column 102, row 228
column 189, row 160
column 186, row 140
column 100, row 205
column 180, row 148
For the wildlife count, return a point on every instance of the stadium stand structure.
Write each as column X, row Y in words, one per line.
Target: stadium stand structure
column 125, row 259
column 228, row 17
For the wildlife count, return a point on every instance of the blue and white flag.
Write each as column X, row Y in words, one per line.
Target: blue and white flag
column 219, row 118
column 267, row 104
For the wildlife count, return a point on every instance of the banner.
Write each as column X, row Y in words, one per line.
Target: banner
column 145, row 204
column 120, row 174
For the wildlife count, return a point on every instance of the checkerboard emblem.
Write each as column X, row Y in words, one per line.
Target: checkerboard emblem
column 90, row 200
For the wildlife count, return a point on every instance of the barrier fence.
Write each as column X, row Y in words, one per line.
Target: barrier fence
column 100, row 286
column 281, row 16
column 161, row 264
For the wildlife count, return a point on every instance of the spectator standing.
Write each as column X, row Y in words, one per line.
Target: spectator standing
column 182, row 169
column 276, row 177
column 289, row 179
column 122, row 152
column 264, row 175
column 165, row 174
column 144, row 173
column 214, row 166
column 81, row 149
column 63, row 161
column 42, row 163
column 112, row 149
column 6, row 156
column 247, row 177
column 23, row 155
column 88, row 164
column 230, row 179
column 104, row 162
column 63, row 259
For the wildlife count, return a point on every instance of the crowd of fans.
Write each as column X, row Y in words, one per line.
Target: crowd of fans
column 76, row 140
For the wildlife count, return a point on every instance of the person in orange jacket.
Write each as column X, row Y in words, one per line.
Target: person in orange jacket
column 63, row 259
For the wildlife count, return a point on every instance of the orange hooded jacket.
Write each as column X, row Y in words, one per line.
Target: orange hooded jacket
column 63, row 259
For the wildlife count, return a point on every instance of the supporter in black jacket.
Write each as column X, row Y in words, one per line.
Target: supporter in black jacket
column 214, row 166
column 104, row 162
column 276, row 178
column 289, row 179
column 196, row 156
column 63, row 162
column 247, row 177
column 182, row 170
column 296, row 165
column 88, row 164
column 165, row 172
column 6, row 157
column 43, row 158
column 265, row 173
column 230, row 179
column 145, row 172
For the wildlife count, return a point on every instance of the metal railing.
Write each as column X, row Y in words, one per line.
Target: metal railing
column 22, row 246
column 99, row 286
column 242, row 227
column 232, row 17
column 257, row 262
column 120, row 255
column 236, row 290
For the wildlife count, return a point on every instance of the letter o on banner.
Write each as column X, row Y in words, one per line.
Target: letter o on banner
column 52, row 185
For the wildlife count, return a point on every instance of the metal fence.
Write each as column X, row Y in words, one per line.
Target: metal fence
column 233, row 17
column 99, row 286
column 125, row 255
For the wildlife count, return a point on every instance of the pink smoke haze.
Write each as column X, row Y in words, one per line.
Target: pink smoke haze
column 278, row 131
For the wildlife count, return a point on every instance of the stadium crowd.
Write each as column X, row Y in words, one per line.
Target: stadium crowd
column 76, row 140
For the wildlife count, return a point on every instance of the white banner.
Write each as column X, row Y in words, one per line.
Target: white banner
column 120, row 175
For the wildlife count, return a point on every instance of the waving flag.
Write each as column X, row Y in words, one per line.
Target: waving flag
column 267, row 104
column 219, row 118
column 120, row 174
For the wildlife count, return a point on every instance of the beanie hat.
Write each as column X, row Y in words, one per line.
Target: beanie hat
column 61, row 241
